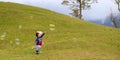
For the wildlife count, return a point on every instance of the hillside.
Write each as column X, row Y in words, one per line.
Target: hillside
column 66, row 38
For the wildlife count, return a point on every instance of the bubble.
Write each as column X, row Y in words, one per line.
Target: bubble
column 2, row 37
column 4, row 33
column 52, row 29
column 11, row 42
column 20, row 26
column 17, row 41
column 51, row 25
column 33, row 47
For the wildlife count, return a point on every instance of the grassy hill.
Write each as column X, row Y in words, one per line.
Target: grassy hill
column 66, row 38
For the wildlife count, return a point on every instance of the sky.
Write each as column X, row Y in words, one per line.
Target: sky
column 98, row 11
column 54, row 5
column 101, row 10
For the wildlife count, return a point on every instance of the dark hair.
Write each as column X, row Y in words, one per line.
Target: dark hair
column 36, row 34
column 41, row 35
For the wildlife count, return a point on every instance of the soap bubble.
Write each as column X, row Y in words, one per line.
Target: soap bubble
column 2, row 37
column 33, row 47
column 11, row 42
column 52, row 29
column 51, row 25
column 20, row 26
column 17, row 41
column 4, row 33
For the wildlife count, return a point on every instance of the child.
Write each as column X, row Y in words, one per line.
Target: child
column 39, row 42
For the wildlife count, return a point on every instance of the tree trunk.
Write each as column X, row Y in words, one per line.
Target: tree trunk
column 80, row 7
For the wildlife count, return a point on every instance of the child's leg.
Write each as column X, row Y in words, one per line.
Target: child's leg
column 38, row 47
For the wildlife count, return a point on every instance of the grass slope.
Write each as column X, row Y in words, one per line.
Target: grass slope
column 72, row 39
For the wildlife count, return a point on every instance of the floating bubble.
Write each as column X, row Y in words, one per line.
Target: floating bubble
column 4, row 33
column 52, row 29
column 51, row 25
column 17, row 41
column 11, row 42
column 33, row 47
column 2, row 37
column 20, row 26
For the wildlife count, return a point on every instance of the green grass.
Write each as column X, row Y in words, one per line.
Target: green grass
column 72, row 39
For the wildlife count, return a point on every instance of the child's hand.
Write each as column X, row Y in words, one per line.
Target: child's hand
column 42, row 42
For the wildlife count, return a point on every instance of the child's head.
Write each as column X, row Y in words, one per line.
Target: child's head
column 39, row 33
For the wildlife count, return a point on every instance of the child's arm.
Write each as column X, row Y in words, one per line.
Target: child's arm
column 42, row 35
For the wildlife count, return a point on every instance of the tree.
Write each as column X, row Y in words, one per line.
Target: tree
column 118, row 4
column 78, row 5
column 115, row 19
